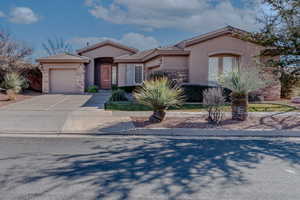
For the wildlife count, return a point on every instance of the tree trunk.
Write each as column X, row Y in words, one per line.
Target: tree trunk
column 157, row 116
column 239, row 107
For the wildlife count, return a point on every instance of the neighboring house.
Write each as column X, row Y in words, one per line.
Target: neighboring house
column 198, row 60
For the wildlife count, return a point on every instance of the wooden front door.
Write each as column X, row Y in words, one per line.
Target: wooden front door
column 105, row 76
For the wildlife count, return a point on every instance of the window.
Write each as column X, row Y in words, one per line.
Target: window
column 114, row 75
column 221, row 65
column 139, row 73
column 134, row 74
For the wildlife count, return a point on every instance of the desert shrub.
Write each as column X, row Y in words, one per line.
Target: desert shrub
column 214, row 102
column 92, row 89
column 14, row 81
column 118, row 95
column 159, row 94
column 194, row 93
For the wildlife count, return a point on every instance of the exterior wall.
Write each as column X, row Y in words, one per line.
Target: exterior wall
column 154, row 62
column 200, row 53
column 80, row 74
column 176, row 67
column 121, row 74
column 105, row 51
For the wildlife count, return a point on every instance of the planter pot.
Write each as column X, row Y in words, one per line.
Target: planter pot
column 157, row 116
column 12, row 95
column 239, row 107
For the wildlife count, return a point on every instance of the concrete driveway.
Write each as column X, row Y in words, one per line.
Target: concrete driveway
column 59, row 102
column 59, row 113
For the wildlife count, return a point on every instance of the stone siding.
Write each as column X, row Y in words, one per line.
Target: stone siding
column 273, row 91
column 180, row 76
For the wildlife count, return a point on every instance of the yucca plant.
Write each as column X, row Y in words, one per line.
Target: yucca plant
column 13, row 83
column 159, row 94
column 241, row 82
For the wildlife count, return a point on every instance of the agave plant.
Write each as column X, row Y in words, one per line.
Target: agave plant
column 159, row 94
column 13, row 83
column 242, row 82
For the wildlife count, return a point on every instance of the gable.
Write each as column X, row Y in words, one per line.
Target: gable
column 105, row 51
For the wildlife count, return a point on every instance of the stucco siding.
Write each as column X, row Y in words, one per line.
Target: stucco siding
column 200, row 53
column 174, row 62
column 154, row 62
column 121, row 74
column 101, row 52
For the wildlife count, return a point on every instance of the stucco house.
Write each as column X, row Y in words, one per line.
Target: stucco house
column 198, row 60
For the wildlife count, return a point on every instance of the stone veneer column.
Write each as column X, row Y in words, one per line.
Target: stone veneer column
column 45, row 82
column 80, row 78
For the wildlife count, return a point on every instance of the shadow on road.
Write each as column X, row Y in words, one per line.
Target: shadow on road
column 170, row 167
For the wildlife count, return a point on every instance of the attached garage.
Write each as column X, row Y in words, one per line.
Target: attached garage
column 63, row 81
column 64, row 73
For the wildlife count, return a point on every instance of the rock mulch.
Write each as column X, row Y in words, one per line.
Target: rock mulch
column 272, row 121
column 26, row 95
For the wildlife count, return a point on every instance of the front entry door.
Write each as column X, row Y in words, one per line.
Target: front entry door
column 105, row 76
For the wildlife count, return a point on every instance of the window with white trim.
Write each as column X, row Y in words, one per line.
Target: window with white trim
column 134, row 74
column 223, row 64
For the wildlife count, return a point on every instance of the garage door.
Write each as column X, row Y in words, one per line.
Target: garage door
column 63, row 81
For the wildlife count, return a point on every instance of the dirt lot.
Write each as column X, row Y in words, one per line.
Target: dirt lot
column 275, row 121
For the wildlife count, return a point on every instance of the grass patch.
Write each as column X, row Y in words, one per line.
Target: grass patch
column 130, row 106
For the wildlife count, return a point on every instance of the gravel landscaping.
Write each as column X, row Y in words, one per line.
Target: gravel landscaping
column 275, row 122
column 26, row 95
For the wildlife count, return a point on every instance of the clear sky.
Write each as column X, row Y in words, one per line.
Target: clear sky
column 139, row 23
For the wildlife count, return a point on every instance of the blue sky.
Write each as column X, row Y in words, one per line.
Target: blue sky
column 138, row 23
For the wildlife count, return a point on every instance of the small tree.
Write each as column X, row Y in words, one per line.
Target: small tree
column 242, row 82
column 13, row 54
column 280, row 36
column 214, row 102
column 57, row 46
column 159, row 94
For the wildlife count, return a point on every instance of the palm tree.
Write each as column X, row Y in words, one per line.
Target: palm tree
column 159, row 94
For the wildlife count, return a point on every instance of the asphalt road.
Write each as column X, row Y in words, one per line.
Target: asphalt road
column 149, row 168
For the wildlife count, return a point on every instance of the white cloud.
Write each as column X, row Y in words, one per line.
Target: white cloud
column 23, row 15
column 2, row 14
column 134, row 40
column 196, row 15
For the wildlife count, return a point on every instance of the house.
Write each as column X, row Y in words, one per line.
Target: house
column 198, row 60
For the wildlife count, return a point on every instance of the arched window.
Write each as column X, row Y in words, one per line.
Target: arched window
column 221, row 64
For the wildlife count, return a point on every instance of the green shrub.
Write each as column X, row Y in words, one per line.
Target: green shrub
column 129, row 89
column 114, row 87
column 118, row 95
column 159, row 94
column 92, row 89
column 194, row 93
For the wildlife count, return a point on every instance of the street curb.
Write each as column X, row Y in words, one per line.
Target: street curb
column 164, row 132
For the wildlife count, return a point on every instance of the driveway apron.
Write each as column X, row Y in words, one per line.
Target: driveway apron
column 59, row 113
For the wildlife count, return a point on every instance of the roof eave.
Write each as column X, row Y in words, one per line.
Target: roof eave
column 62, row 60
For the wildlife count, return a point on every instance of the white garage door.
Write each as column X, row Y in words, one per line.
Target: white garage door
column 63, row 81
